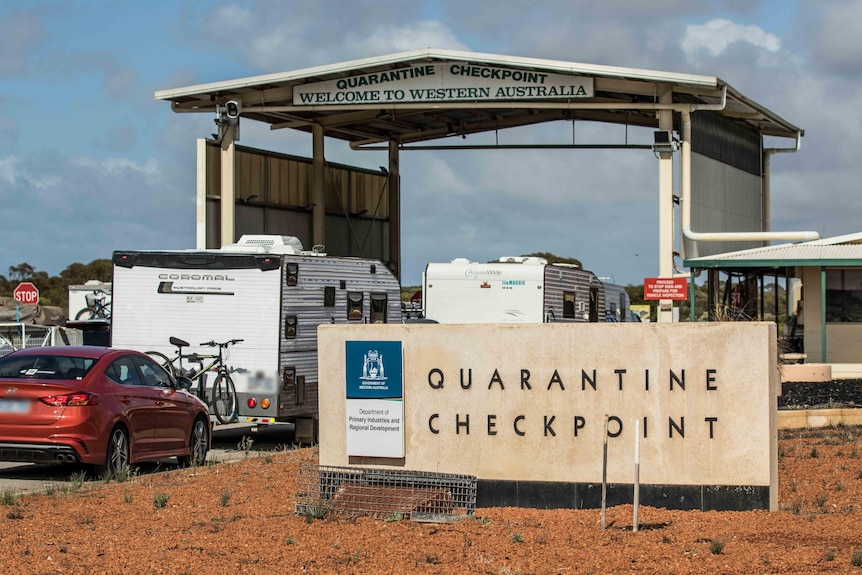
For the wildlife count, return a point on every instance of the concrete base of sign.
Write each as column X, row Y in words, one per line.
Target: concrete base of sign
column 559, row 495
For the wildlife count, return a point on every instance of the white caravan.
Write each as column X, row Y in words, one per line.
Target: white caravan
column 511, row 290
column 264, row 290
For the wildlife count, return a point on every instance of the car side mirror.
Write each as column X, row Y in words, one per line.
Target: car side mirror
column 184, row 383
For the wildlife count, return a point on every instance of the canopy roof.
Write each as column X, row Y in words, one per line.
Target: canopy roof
column 619, row 95
column 840, row 251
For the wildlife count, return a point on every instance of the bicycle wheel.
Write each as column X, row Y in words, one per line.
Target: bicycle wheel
column 5, row 346
column 163, row 361
column 224, row 404
column 88, row 313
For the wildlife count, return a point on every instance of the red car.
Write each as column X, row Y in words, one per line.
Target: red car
column 103, row 407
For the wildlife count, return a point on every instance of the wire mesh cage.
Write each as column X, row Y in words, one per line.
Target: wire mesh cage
column 381, row 493
column 15, row 336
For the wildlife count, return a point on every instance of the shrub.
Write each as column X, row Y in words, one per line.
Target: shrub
column 245, row 445
column 9, row 497
column 160, row 500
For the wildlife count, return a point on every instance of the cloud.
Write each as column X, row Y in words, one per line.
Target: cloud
column 7, row 169
column 271, row 39
column 835, row 41
column 714, row 38
column 84, row 208
column 21, row 35
column 9, row 133
column 117, row 139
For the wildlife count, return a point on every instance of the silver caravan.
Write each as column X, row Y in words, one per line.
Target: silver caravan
column 511, row 290
column 264, row 290
column 618, row 305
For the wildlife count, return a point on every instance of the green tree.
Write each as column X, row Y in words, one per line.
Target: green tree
column 21, row 272
column 54, row 290
column 555, row 259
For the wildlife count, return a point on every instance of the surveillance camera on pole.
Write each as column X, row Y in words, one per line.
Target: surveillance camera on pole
column 228, row 115
column 233, row 110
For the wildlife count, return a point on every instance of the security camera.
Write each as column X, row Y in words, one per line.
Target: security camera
column 234, row 109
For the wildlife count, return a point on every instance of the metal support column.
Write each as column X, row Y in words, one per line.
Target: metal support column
column 228, row 185
column 201, row 215
column 318, row 195
column 394, row 188
column 664, row 313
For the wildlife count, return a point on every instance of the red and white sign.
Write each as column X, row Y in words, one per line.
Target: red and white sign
column 26, row 293
column 665, row 288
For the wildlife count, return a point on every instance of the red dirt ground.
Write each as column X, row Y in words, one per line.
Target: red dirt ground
column 239, row 518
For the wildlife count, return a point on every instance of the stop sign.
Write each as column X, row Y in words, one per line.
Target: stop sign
column 27, row 293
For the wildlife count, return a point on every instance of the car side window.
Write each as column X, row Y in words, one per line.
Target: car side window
column 124, row 371
column 154, row 375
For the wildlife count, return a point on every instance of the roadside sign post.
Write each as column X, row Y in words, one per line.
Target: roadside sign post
column 26, row 293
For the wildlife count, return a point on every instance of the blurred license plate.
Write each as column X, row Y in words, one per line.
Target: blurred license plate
column 14, row 406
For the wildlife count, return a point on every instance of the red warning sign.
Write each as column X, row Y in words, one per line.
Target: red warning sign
column 665, row 288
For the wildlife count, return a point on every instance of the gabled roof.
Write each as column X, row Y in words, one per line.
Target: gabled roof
column 839, row 251
column 621, row 95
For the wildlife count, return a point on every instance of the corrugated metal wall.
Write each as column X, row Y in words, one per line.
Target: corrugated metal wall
column 273, row 194
column 726, row 183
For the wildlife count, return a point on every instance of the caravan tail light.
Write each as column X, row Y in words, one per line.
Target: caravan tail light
column 264, row 403
column 252, row 402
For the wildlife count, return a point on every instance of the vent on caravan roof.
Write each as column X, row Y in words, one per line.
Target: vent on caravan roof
column 266, row 244
column 530, row 260
column 271, row 241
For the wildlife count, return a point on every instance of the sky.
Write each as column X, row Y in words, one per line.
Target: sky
column 90, row 162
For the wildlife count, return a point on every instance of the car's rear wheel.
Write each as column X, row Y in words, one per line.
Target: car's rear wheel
column 199, row 444
column 117, row 458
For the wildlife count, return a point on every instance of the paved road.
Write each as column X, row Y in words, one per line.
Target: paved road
column 30, row 477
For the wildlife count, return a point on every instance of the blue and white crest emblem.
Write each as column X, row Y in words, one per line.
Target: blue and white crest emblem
column 372, row 366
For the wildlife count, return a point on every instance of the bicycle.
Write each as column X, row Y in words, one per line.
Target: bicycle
column 223, row 400
column 98, row 306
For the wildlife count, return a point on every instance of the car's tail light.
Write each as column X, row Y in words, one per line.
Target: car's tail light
column 70, row 399
column 252, row 402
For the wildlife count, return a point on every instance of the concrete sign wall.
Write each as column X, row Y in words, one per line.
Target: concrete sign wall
column 527, row 403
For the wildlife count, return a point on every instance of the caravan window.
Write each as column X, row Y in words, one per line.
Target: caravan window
column 354, row 306
column 329, row 296
column 378, row 308
column 594, row 304
column 290, row 327
column 569, row 305
column 292, row 274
